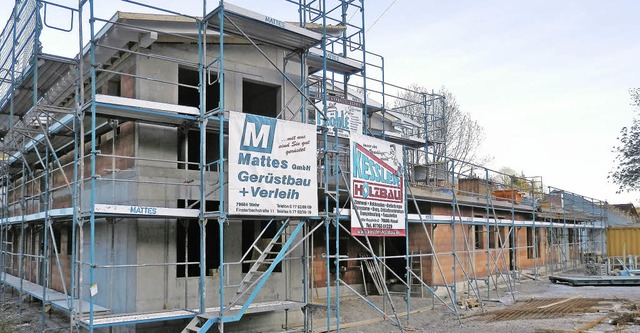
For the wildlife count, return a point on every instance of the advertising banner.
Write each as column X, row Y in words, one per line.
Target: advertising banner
column 272, row 167
column 344, row 114
column 377, row 187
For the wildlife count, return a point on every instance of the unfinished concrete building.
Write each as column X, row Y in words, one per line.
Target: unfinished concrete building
column 234, row 170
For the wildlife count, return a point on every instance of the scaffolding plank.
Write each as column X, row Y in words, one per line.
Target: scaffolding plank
column 262, row 28
column 399, row 137
column 144, row 104
column 55, row 298
column 256, row 307
column 136, row 318
column 597, row 280
column 345, row 213
column 128, row 319
column 137, row 109
column 54, row 213
column 49, row 74
column 335, row 63
column 149, row 211
column 107, row 209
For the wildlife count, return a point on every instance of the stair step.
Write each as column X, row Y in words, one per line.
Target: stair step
column 193, row 327
column 243, row 289
column 253, row 278
column 242, row 297
column 238, row 302
column 206, row 316
column 249, row 285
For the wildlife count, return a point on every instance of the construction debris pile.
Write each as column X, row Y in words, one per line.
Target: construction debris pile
column 595, row 269
column 626, row 313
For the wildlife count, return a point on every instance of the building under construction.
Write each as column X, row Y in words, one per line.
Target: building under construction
column 235, row 170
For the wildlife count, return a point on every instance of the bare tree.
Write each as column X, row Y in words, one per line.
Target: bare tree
column 509, row 178
column 463, row 135
column 455, row 133
column 627, row 172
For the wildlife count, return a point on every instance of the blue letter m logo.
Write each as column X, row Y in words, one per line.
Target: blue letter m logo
column 257, row 134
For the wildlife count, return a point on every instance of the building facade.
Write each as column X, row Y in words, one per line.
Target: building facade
column 231, row 170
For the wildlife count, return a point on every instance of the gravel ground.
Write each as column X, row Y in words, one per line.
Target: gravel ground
column 27, row 318
column 441, row 319
column 359, row 317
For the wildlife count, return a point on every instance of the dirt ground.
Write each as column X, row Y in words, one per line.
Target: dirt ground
column 357, row 316
column 26, row 317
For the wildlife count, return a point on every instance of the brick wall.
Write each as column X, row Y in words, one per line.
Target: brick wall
column 419, row 244
column 352, row 275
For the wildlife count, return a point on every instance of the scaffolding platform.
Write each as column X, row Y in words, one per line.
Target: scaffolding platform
column 597, row 280
column 470, row 220
column 148, row 317
column 345, row 214
column 137, row 109
column 51, row 71
column 109, row 107
column 335, row 63
column 262, row 28
column 53, row 297
column 106, row 210
column 144, row 211
column 60, row 126
column 53, row 213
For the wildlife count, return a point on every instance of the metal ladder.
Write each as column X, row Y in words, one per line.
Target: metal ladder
column 376, row 275
column 415, row 264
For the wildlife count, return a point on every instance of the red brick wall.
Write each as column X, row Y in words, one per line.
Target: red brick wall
column 353, row 274
column 55, row 279
column 124, row 146
column 419, row 244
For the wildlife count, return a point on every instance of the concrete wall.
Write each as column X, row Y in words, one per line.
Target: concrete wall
column 242, row 62
column 115, row 244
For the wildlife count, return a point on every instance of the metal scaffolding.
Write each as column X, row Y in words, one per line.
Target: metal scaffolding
column 73, row 159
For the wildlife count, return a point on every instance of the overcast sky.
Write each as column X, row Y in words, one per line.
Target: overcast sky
column 548, row 80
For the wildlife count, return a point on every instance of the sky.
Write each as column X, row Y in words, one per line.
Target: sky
column 547, row 80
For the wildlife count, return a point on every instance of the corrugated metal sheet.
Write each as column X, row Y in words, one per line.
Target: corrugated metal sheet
column 623, row 241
